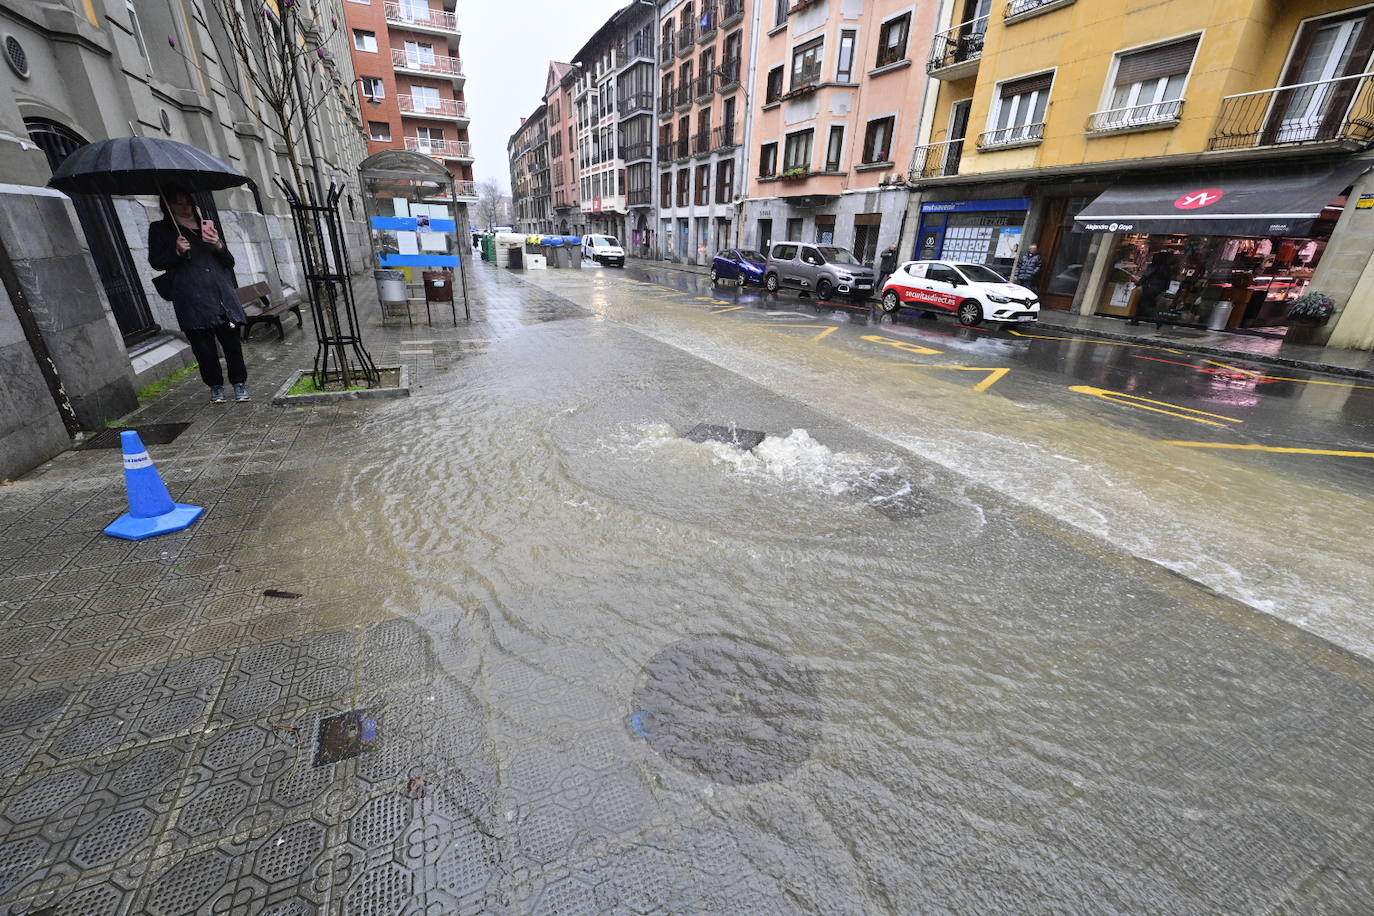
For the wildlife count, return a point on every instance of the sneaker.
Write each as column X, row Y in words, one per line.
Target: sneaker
column 241, row 392
column 216, row 394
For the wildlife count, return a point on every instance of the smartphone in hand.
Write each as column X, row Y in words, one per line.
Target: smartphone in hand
column 207, row 227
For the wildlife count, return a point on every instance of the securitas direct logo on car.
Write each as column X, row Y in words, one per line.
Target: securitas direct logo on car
column 1199, row 199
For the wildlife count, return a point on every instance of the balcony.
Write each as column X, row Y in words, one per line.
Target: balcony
column 682, row 149
column 639, row 103
column 1327, row 111
column 440, row 109
column 665, row 53
column 420, row 64
column 685, row 38
column 731, row 12
column 641, row 197
column 633, row 51
column 956, row 52
column 706, row 20
column 682, row 97
column 703, row 87
column 701, row 143
column 465, row 189
column 1154, row 116
column 937, row 160
column 634, row 152
column 665, row 102
column 665, row 152
column 416, row 18
column 725, row 137
column 1012, row 137
column 1018, row 10
column 441, row 149
column 729, row 75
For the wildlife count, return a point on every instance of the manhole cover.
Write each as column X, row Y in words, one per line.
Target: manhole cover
column 733, row 711
column 740, row 438
column 152, row 434
column 347, row 735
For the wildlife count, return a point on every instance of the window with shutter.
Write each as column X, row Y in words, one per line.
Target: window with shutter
column 1019, row 115
column 1148, row 87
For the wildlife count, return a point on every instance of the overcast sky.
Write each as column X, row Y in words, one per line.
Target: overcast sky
column 507, row 46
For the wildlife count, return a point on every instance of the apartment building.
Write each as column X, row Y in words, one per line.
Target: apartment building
column 1224, row 140
column 531, row 188
column 411, row 84
column 838, row 92
column 561, row 117
column 703, row 51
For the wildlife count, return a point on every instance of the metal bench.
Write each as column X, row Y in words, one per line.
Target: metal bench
column 258, row 306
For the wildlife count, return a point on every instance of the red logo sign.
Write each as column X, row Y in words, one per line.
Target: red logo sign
column 1196, row 200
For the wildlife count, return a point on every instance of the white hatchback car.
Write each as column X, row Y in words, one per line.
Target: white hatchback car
column 971, row 291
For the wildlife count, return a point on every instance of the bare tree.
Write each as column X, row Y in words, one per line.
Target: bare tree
column 279, row 50
column 493, row 204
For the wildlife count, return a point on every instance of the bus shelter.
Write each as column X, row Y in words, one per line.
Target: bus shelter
column 419, row 230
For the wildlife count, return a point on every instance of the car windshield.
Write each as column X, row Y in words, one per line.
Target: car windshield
column 754, row 256
column 839, row 256
column 980, row 274
column 603, row 241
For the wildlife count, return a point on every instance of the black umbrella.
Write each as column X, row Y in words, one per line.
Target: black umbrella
column 142, row 165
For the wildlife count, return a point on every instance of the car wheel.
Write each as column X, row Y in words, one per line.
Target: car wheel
column 891, row 302
column 824, row 289
column 740, row 280
column 970, row 313
column 770, row 282
column 715, row 277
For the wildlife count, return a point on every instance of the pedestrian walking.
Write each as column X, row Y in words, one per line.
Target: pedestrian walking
column 1154, row 281
column 199, row 281
column 1028, row 268
column 887, row 266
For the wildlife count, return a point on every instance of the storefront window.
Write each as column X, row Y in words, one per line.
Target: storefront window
column 988, row 232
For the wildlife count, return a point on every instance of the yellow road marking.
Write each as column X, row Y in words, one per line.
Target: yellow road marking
column 994, row 375
column 825, row 329
column 1174, row 410
column 1313, row 381
column 1213, row 362
column 733, row 308
column 901, row 345
column 1271, row 448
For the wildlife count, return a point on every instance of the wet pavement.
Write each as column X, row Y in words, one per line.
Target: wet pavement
column 549, row 656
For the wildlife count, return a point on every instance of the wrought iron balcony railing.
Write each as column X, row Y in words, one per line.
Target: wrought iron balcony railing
column 701, row 143
column 707, row 23
column 727, row 136
column 1006, row 137
column 937, row 160
column 639, row 101
column 1136, row 117
column 685, row 37
column 704, row 86
column 729, row 74
column 1017, row 8
column 1316, row 112
column 731, row 11
column 959, row 45
column 633, row 152
column 665, row 52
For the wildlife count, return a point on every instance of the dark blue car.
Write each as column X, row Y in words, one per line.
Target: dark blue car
column 739, row 265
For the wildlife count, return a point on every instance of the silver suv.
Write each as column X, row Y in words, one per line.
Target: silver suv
column 820, row 269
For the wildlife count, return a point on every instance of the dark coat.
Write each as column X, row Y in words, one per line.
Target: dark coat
column 203, row 291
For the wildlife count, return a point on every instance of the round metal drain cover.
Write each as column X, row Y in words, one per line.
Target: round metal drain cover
column 733, row 711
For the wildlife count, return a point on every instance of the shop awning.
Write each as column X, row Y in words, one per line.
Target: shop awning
column 1280, row 200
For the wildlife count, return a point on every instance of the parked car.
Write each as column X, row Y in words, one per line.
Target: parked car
column 741, row 265
column 973, row 292
column 822, row 269
column 603, row 249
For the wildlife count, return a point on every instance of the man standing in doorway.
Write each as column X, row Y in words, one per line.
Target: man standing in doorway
column 1028, row 269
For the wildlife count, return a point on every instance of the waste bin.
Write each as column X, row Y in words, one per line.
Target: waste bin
column 515, row 256
column 1220, row 317
column 391, row 292
column 574, row 250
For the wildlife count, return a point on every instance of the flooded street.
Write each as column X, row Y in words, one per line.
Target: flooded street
column 550, row 656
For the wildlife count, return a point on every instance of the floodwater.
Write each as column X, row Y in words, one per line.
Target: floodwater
column 825, row 675
column 516, row 644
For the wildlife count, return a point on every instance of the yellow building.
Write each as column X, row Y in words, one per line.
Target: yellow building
column 1214, row 143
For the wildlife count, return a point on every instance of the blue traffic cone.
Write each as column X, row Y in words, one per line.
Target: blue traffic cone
column 151, row 510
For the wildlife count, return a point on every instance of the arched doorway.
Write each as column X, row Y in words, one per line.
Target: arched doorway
column 104, row 235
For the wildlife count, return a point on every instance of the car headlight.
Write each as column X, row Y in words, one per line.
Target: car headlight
column 1000, row 300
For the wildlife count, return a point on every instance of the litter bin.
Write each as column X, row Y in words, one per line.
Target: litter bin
column 1220, row 317
column 574, row 250
column 516, row 255
column 391, row 292
column 438, row 290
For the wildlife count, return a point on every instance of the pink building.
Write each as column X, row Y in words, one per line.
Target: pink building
column 838, row 91
column 558, row 100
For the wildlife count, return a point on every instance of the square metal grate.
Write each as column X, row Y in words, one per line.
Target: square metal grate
column 152, row 434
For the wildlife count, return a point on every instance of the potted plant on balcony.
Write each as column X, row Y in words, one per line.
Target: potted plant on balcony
column 793, row 174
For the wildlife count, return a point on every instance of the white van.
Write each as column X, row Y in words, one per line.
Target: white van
column 603, row 249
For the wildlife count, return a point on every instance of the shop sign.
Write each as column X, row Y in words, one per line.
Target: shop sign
column 1196, row 200
column 1366, row 202
column 973, row 206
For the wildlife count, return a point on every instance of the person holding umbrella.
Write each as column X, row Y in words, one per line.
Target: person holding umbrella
column 189, row 249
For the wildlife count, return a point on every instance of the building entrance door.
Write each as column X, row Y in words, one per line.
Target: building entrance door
column 100, row 224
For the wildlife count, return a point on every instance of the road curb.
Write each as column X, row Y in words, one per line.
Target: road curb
column 1266, row 358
